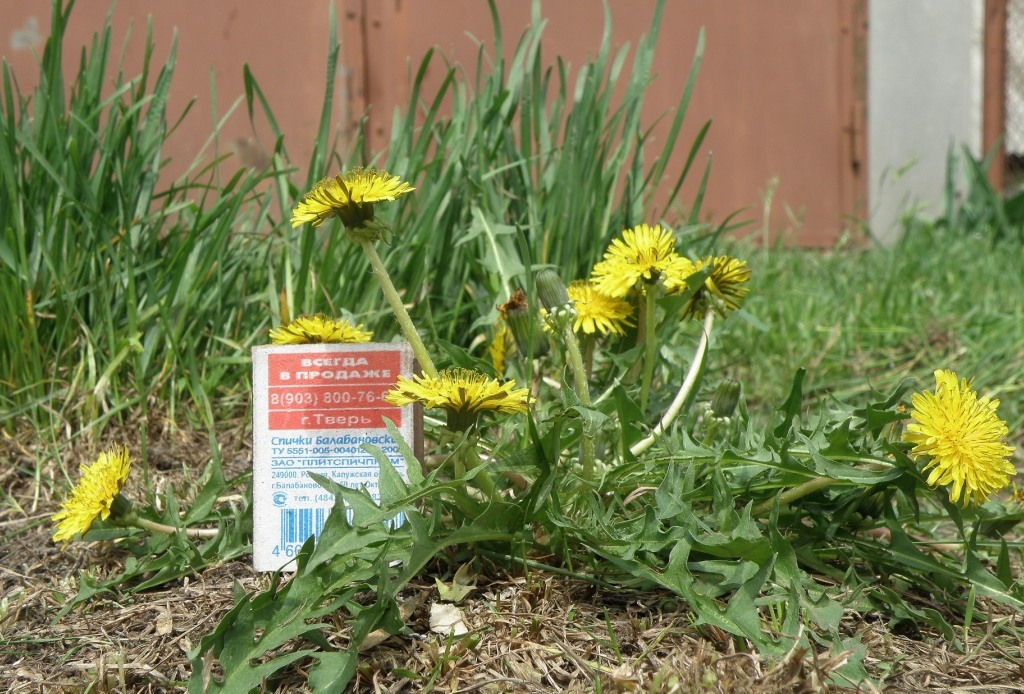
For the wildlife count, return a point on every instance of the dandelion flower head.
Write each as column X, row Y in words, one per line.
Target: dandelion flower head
column 643, row 254
column 723, row 290
column 961, row 437
column 316, row 329
column 349, row 196
column 596, row 312
column 94, row 494
column 464, row 394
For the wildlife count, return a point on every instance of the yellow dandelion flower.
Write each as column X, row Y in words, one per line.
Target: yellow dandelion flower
column 596, row 312
column 349, row 196
column 643, row 254
column 500, row 347
column 961, row 437
column 93, row 497
column 464, row 394
column 316, row 329
column 722, row 291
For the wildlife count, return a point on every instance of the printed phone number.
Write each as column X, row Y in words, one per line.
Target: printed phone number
column 307, row 398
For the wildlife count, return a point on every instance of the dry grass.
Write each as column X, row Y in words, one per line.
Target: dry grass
column 533, row 633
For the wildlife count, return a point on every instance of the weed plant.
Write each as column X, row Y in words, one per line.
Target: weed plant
column 637, row 462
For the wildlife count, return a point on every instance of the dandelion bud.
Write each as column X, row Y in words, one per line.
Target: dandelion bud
column 873, row 505
column 521, row 324
column 551, row 290
column 727, row 396
column 554, row 297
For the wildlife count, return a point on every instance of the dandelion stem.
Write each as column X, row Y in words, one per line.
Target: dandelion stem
column 575, row 359
column 398, row 308
column 134, row 519
column 684, row 390
column 712, row 428
column 791, row 495
column 467, row 459
column 589, row 342
column 650, row 347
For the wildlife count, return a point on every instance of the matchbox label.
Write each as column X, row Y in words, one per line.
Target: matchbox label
column 314, row 407
column 325, row 390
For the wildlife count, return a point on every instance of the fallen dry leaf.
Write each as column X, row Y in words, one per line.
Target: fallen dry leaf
column 446, row 618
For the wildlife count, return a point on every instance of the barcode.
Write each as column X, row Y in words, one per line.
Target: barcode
column 297, row 524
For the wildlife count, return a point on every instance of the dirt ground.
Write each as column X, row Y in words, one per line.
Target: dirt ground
column 535, row 633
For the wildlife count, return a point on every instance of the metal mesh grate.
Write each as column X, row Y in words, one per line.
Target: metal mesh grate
column 1015, row 77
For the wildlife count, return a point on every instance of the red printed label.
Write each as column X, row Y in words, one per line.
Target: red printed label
column 327, row 390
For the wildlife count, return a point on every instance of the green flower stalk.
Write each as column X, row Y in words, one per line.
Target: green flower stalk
column 351, row 197
column 398, row 308
column 561, row 316
column 700, row 354
column 641, row 261
column 648, row 334
column 790, row 495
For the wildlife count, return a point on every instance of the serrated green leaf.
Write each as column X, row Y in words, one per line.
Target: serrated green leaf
column 791, row 408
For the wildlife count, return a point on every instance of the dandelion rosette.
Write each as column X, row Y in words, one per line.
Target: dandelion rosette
column 464, row 394
column 961, row 437
column 94, row 496
column 643, row 255
column 349, row 197
column 316, row 329
column 722, row 291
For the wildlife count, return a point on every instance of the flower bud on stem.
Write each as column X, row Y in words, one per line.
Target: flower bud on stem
column 561, row 317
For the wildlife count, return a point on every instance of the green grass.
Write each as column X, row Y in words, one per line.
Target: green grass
column 867, row 318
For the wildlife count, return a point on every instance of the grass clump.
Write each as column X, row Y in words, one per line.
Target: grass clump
column 118, row 289
column 864, row 318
